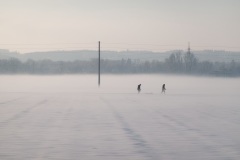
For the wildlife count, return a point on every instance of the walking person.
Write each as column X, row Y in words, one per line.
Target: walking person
column 139, row 88
column 163, row 88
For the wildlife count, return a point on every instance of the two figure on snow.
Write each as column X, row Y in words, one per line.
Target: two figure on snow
column 139, row 88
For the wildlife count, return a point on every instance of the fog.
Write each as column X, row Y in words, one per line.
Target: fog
column 70, row 117
column 151, row 83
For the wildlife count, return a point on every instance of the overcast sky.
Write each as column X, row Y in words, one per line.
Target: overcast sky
column 158, row 25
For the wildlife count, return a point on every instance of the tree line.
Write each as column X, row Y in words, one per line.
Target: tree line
column 176, row 63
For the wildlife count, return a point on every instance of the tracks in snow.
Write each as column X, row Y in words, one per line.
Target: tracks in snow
column 23, row 112
column 140, row 144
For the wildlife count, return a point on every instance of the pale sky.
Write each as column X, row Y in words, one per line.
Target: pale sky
column 157, row 25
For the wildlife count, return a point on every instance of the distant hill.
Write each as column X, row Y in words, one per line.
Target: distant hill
column 206, row 55
column 217, row 56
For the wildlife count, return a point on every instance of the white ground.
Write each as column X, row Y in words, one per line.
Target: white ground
column 70, row 118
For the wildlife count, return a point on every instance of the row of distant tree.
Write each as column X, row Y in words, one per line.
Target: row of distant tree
column 176, row 63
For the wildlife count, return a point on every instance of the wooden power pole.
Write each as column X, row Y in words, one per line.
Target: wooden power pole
column 99, row 65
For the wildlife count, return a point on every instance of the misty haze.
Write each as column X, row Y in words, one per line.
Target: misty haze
column 206, row 63
column 53, row 108
column 119, row 80
column 69, row 117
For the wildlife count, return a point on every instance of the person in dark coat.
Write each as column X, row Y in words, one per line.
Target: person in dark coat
column 139, row 88
column 163, row 88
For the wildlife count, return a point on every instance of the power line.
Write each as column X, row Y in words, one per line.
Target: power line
column 48, row 43
column 119, row 46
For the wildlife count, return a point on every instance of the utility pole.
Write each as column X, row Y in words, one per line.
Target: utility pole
column 99, row 61
column 189, row 49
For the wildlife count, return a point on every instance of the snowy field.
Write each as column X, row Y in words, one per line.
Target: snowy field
column 70, row 118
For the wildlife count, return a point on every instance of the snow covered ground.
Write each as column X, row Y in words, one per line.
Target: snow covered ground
column 70, row 118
